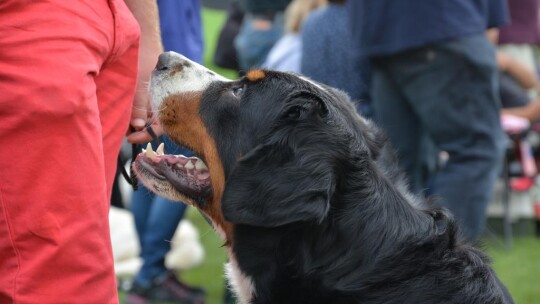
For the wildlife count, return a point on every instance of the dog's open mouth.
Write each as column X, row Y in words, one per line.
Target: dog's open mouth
column 187, row 175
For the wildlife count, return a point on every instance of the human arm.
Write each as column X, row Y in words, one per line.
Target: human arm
column 146, row 13
column 524, row 75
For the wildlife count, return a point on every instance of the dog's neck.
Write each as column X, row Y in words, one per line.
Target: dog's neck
column 381, row 210
column 375, row 212
column 361, row 227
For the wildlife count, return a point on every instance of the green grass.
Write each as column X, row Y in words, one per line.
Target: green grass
column 212, row 22
column 519, row 268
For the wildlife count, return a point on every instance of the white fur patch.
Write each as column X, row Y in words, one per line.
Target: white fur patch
column 241, row 284
column 192, row 77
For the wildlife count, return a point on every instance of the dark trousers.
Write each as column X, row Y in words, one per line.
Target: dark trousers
column 156, row 221
column 444, row 97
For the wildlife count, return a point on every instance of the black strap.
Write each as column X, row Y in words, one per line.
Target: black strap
column 150, row 131
column 132, row 180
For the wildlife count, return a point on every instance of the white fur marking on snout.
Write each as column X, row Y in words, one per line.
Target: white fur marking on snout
column 191, row 78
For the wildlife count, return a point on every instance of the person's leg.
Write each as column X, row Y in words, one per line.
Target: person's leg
column 161, row 223
column 156, row 220
column 115, row 86
column 395, row 116
column 143, row 208
column 141, row 204
column 453, row 89
column 54, row 193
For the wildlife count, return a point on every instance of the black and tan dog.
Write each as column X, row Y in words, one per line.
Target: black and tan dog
column 305, row 194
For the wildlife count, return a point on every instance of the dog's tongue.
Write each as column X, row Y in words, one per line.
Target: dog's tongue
column 189, row 175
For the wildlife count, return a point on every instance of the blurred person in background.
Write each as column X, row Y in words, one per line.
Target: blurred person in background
column 516, row 80
column 225, row 52
column 286, row 54
column 262, row 26
column 157, row 218
column 435, row 80
column 327, row 55
column 521, row 37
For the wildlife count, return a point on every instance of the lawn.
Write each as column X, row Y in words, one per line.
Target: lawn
column 518, row 268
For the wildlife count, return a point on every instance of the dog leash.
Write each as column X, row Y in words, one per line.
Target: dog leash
column 131, row 177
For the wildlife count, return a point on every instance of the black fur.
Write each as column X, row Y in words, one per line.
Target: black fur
column 321, row 215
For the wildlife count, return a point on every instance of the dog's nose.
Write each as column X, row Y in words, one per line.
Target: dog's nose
column 164, row 61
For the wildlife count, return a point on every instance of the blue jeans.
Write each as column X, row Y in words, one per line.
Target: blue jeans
column 445, row 94
column 156, row 220
column 253, row 45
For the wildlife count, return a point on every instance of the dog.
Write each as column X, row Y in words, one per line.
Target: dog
column 305, row 193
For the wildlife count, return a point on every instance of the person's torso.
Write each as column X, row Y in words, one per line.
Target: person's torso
column 385, row 27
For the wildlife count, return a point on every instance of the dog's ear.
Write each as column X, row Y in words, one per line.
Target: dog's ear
column 302, row 105
column 270, row 187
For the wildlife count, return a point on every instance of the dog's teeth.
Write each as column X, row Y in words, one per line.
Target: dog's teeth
column 200, row 165
column 161, row 149
column 149, row 152
column 189, row 165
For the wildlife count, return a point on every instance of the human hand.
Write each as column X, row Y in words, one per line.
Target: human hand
column 141, row 106
column 146, row 14
column 143, row 135
column 142, row 114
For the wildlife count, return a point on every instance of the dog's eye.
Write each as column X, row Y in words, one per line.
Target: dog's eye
column 237, row 91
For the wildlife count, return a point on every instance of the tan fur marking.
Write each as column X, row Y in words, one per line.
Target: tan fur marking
column 255, row 75
column 176, row 69
column 179, row 117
